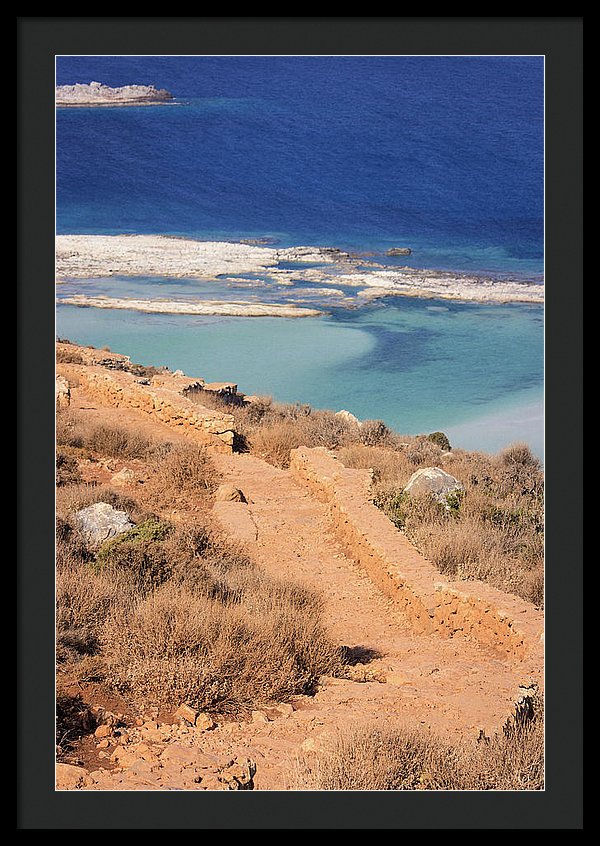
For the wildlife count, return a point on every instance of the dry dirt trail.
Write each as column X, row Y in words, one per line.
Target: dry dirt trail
column 452, row 685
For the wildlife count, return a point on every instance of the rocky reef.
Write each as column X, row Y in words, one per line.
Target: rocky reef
column 97, row 94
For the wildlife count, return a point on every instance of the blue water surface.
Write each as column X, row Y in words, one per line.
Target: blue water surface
column 441, row 154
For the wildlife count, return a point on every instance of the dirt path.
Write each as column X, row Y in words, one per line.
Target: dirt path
column 421, row 681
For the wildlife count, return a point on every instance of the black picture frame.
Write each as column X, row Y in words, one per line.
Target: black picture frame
column 559, row 39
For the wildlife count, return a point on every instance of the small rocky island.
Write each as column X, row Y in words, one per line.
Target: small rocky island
column 97, row 94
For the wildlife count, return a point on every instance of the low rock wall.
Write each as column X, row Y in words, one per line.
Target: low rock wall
column 214, row 429
column 502, row 623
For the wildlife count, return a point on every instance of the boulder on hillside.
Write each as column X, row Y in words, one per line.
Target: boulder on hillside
column 100, row 521
column 348, row 417
column 432, row 480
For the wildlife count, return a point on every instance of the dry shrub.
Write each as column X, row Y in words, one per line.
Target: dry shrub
column 83, row 601
column 180, row 471
column 67, row 468
column 220, row 634
column 270, row 429
column 117, row 442
column 274, row 442
column 372, row 758
column 74, row 430
column 73, row 720
column 140, row 554
column 176, row 646
column 68, row 423
column 64, row 356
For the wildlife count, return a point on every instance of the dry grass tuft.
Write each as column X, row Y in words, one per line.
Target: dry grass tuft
column 180, row 472
column 73, row 430
column 218, row 642
column 372, row 758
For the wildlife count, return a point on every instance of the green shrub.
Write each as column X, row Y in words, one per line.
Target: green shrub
column 453, row 502
column 138, row 552
column 440, row 439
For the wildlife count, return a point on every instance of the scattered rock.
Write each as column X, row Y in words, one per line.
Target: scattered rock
column 125, row 756
column 103, row 731
column 63, row 393
column 259, row 717
column 229, row 493
column 151, row 732
column 432, row 480
column 186, row 713
column 204, row 722
column 284, row 709
column 103, row 744
column 100, row 521
column 399, row 251
column 69, row 777
column 123, row 477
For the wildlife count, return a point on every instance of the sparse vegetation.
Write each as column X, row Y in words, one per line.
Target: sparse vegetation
column 172, row 612
column 373, row 758
column 68, row 356
column 493, row 530
column 73, row 430
column 169, row 613
column 271, row 429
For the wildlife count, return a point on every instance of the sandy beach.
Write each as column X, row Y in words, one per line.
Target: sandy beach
column 97, row 256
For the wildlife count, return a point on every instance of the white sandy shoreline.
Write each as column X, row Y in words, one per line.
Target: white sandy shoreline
column 101, row 256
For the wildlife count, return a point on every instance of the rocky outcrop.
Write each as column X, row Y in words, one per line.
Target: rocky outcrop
column 100, row 521
column 94, row 256
column 501, row 623
column 62, row 393
column 433, row 481
column 239, row 308
column 96, row 94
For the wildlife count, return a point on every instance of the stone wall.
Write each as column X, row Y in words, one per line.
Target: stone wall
column 214, row 429
column 500, row 622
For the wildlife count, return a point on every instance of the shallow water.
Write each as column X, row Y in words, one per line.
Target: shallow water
column 419, row 365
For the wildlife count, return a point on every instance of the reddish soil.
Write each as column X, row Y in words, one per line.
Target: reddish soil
column 452, row 685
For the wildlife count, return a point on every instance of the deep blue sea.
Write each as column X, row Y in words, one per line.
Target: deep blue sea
column 441, row 154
